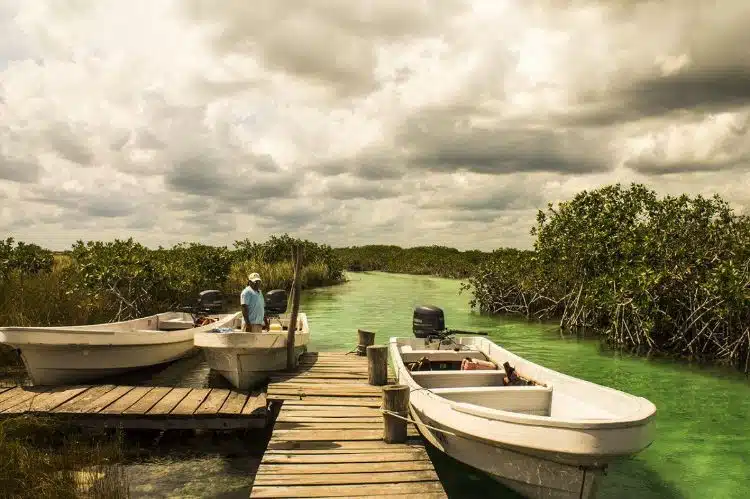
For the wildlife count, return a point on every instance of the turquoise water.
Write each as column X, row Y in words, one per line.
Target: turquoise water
column 702, row 446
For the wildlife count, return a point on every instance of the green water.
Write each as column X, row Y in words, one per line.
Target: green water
column 702, row 447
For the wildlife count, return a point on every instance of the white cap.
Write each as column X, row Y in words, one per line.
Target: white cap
column 254, row 277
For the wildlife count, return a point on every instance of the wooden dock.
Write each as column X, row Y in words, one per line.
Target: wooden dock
column 328, row 438
column 139, row 407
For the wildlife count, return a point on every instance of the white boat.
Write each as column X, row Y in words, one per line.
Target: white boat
column 73, row 354
column 550, row 439
column 247, row 359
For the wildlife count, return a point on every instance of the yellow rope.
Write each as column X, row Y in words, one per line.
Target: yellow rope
column 399, row 416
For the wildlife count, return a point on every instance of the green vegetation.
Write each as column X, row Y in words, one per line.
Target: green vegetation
column 668, row 276
column 46, row 459
column 122, row 279
column 439, row 261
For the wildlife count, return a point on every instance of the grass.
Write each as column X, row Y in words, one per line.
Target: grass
column 276, row 276
column 42, row 458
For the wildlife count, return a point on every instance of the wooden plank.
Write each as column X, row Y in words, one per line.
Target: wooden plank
column 190, row 403
column 344, row 467
column 293, row 400
column 54, row 397
column 346, row 478
column 336, row 370
column 256, row 404
column 294, row 418
column 20, row 398
column 318, row 375
column 341, row 447
column 213, row 401
column 321, row 390
column 169, row 401
column 307, row 436
column 309, row 380
column 330, row 425
column 83, row 400
column 371, row 457
column 234, row 403
column 97, row 405
column 12, row 393
column 362, row 489
column 126, row 400
column 6, row 388
column 149, row 400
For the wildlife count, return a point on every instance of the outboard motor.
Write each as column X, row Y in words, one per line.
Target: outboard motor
column 210, row 300
column 428, row 320
column 276, row 302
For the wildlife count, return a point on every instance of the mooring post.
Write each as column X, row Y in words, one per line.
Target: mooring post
column 395, row 400
column 291, row 361
column 366, row 338
column 377, row 365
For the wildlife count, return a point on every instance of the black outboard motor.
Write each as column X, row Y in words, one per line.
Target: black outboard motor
column 427, row 320
column 276, row 301
column 210, row 300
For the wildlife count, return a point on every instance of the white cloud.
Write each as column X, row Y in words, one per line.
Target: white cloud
column 355, row 122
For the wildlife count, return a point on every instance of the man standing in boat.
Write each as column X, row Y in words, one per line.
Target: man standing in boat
column 253, row 305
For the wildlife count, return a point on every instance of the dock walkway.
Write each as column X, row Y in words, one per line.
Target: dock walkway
column 139, row 407
column 328, row 438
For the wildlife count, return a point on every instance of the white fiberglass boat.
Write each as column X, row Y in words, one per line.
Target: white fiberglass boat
column 247, row 359
column 73, row 354
column 548, row 435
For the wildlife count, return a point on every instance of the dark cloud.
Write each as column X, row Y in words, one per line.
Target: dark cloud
column 19, row 170
column 69, row 144
column 650, row 166
column 688, row 92
column 334, row 42
column 213, row 177
column 86, row 204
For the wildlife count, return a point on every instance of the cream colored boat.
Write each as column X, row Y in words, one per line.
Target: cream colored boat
column 247, row 359
column 551, row 439
column 74, row 354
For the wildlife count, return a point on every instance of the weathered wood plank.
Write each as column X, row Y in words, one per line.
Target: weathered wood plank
column 12, row 393
column 371, row 457
column 76, row 404
column 169, row 401
column 292, row 400
column 346, row 478
column 317, row 375
column 5, row 388
column 149, row 400
column 56, row 397
column 100, row 403
column 20, row 401
column 213, row 401
column 308, row 436
column 339, row 447
column 318, row 418
column 364, row 488
column 126, row 400
column 322, row 390
column 234, row 403
column 329, row 425
column 256, row 404
column 365, row 467
column 190, row 403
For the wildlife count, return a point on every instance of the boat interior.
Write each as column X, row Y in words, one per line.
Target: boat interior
column 276, row 324
column 486, row 386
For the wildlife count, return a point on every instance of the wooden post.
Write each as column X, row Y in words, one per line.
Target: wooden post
column 291, row 361
column 377, row 365
column 366, row 338
column 396, row 400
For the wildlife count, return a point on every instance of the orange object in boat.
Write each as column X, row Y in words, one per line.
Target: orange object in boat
column 469, row 364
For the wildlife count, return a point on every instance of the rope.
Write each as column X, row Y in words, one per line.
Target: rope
column 409, row 420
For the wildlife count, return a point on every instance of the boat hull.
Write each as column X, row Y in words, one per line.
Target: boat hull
column 247, row 360
column 63, row 365
column 531, row 476
column 76, row 354
column 247, row 368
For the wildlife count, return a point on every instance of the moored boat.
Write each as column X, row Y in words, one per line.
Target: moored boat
column 247, row 360
column 542, row 433
column 73, row 354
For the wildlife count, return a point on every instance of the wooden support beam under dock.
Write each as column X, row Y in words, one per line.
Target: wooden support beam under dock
column 328, row 438
column 139, row 407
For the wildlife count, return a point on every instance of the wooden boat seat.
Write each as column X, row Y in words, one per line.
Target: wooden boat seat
column 459, row 379
column 536, row 400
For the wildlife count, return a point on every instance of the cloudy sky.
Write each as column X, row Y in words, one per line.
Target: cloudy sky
column 351, row 122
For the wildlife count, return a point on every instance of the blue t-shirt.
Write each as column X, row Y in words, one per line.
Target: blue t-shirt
column 255, row 304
